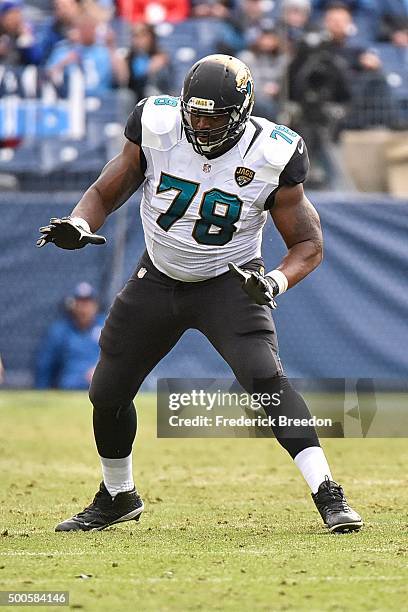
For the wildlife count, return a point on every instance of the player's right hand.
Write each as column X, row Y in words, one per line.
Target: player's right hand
column 68, row 233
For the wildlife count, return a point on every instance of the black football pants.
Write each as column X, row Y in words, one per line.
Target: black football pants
column 144, row 323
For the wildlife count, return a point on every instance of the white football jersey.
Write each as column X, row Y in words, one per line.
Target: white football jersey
column 198, row 214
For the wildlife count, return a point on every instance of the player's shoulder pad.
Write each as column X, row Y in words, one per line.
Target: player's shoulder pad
column 284, row 153
column 155, row 123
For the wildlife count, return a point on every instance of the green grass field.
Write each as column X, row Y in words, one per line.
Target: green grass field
column 229, row 523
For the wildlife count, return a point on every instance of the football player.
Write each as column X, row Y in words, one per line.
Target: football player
column 211, row 174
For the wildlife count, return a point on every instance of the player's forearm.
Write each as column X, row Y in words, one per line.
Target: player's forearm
column 299, row 225
column 107, row 194
column 119, row 179
column 300, row 260
column 91, row 208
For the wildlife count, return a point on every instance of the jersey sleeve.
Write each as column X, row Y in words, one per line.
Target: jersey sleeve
column 297, row 168
column 294, row 173
column 133, row 129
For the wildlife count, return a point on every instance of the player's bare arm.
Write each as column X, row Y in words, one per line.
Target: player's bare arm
column 119, row 179
column 299, row 225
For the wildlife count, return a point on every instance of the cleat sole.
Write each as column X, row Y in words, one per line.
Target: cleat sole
column 132, row 516
column 346, row 527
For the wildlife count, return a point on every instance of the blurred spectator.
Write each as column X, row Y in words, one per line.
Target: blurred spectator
column 372, row 103
column 338, row 24
column 100, row 10
column 101, row 63
column 154, row 11
column 66, row 15
column 219, row 31
column 148, row 66
column 214, row 8
column 294, row 18
column 329, row 75
column 18, row 45
column 321, row 68
column 394, row 22
column 1, row 372
column 251, row 18
column 353, row 6
column 69, row 352
column 268, row 62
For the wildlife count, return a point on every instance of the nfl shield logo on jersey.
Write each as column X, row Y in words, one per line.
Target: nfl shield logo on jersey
column 243, row 176
column 206, row 167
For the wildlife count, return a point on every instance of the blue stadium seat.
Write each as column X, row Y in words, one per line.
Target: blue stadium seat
column 395, row 62
column 25, row 158
column 367, row 26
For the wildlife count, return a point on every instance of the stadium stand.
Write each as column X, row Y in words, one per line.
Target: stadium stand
column 54, row 140
column 337, row 324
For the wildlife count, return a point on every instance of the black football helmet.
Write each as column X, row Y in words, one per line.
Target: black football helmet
column 217, row 86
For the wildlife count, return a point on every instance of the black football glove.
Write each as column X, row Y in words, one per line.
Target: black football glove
column 67, row 233
column 262, row 289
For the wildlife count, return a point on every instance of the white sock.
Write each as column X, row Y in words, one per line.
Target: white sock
column 313, row 464
column 117, row 474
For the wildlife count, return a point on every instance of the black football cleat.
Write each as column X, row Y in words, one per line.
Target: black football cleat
column 105, row 511
column 334, row 509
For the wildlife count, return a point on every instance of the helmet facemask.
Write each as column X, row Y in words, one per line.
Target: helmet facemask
column 208, row 141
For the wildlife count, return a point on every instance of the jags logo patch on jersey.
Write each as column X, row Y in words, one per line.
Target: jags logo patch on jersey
column 243, row 176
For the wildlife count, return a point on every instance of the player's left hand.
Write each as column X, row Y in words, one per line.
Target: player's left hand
column 262, row 289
